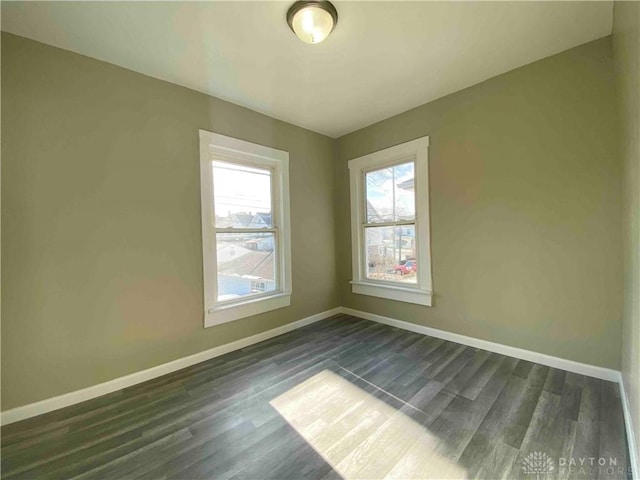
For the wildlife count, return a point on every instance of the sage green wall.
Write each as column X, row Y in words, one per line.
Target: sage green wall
column 101, row 241
column 626, row 55
column 525, row 182
column 101, row 238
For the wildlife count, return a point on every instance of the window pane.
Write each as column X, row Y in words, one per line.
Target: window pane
column 391, row 253
column 405, row 192
column 242, row 196
column 246, row 264
column 391, row 194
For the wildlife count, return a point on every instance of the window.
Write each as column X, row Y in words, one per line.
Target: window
column 390, row 223
column 245, row 228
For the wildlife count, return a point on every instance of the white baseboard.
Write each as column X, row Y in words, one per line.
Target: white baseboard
column 71, row 398
column 631, row 436
column 541, row 358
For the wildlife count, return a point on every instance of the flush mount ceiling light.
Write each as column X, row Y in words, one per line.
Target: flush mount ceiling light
column 312, row 21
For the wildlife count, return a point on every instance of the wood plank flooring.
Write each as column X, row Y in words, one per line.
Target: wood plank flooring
column 342, row 398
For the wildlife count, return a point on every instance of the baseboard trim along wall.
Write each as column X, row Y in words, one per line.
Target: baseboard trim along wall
column 632, row 439
column 541, row 358
column 71, row 398
column 65, row 400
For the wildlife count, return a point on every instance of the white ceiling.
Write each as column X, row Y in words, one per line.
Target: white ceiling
column 383, row 58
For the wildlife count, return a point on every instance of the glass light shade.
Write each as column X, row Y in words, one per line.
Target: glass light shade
column 312, row 23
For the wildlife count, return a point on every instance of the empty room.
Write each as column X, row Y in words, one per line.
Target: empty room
column 320, row 240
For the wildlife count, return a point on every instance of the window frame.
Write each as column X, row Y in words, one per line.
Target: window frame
column 217, row 147
column 420, row 293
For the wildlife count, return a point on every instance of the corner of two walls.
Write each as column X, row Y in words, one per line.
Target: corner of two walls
column 525, row 208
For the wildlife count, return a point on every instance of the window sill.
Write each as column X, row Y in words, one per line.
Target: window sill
column 391, row 292
column 227, row 313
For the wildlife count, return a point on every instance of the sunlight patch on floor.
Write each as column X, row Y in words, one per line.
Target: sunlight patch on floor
column 361, row 436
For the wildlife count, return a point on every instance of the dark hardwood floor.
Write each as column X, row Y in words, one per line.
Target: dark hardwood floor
column 342, row 398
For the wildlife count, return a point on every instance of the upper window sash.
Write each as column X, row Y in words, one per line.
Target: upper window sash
column 252, row 168
column 400, row 173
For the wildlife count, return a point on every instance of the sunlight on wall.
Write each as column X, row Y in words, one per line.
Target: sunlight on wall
column 361, row 436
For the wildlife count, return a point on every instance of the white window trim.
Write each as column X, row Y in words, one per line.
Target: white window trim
column 417, row 150
column 214, row 146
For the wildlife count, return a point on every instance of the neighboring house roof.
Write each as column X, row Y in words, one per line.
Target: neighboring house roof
column 261, row 219
column 407, row 184
column 227, row 253
column 259, row 264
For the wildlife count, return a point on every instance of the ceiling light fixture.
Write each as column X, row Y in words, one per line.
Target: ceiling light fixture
column 312, row 20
